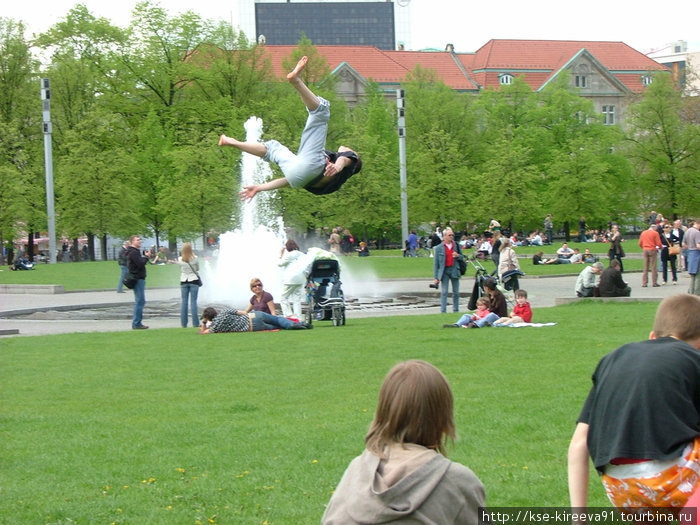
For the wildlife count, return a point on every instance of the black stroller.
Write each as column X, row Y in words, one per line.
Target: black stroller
column 324, row 295
column 22, row 263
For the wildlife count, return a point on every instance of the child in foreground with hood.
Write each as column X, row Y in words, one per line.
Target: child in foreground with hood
column 403, row 475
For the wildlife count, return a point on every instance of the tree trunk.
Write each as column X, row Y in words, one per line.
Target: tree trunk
column 172, row 247
column 91, row 246
column 103, row 246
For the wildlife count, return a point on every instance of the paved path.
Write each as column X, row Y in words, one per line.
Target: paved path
column 542, row 292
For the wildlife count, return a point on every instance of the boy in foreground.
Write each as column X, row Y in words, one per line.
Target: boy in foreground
column 641, row 421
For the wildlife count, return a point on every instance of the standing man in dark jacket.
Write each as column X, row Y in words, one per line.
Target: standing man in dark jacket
column 121, row 259
column 136, row 264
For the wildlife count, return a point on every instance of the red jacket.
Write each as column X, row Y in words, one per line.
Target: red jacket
column 650, row 240
column 523, row 311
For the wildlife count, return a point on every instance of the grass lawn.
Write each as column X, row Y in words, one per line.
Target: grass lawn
column 167, row 426
column 387, row 264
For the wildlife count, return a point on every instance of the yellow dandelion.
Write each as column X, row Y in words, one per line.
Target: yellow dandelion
column 315, row 461
column 181, row 470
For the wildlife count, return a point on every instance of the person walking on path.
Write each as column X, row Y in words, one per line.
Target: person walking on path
column 549, row 228
column 650, row 242
column 121, row 259
column 313, row 168
column 691, row 242
column 136, row 264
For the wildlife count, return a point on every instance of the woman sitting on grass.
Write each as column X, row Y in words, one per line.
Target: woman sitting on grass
column 403, row 476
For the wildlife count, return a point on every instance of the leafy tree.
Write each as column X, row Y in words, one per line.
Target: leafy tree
column 22, row 204
column 665, row 148
column 201, row 194
column 442, row 148
column 95, row 192
column 153, row 166
column 582, row 173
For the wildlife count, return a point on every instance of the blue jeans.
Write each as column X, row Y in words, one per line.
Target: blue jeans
column 446, row 279
column 265, row 321
column 120, row 284
column 139, row 302
column 189, row 291
column 489, row 319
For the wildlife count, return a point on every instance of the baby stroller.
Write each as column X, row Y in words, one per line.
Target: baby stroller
column 324, row 295
column 481, row 275
column 22, row 264
column 510, row 280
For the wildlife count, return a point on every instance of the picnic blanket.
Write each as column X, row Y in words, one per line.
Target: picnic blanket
column 522, row 325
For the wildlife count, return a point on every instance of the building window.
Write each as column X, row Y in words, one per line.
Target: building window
column 647, row 79
column 609, row 115
column 505, row 80
column 581, row 81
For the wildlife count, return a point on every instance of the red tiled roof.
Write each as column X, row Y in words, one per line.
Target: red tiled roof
column 537, row 60
column 380, row 66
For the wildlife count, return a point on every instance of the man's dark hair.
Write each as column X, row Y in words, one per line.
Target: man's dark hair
column 210, row 313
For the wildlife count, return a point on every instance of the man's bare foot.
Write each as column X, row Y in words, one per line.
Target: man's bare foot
column 297, row 69
column 225, row 141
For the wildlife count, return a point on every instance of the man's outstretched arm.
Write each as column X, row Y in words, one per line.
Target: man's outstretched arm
column 248, row 192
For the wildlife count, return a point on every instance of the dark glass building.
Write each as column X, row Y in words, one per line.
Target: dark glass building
column 327, row 23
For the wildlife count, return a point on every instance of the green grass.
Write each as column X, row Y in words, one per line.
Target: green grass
column 99, row 275
column 168, row 426
column 389, row 264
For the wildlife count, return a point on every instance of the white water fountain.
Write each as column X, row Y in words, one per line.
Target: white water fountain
column 254, row 249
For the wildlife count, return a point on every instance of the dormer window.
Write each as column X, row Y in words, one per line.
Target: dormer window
column 505, row 79
column 647, row 79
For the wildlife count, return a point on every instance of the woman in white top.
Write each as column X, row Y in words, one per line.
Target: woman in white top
column 189, row 284
column 293, row 264
column 508, row 260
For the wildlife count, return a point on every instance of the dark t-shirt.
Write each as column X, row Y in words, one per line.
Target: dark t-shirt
column 261, row 306
column 644, row 403
column 340, row 178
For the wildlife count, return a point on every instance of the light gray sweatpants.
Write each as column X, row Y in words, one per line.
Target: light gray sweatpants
column 309, row 162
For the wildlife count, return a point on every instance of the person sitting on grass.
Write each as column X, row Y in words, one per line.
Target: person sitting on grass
column 497, row 307
column 539, row 258
column 225, row 321
column 482, row 310
column 313, row 168
column 522, row 313
column 564, row 252
column 403, row 475
column 640, row 423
